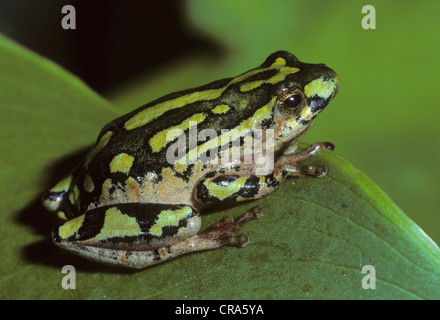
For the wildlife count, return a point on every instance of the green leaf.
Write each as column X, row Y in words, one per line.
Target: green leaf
column 315, row 237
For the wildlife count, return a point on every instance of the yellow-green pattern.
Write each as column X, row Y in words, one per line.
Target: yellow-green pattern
column 135, row 198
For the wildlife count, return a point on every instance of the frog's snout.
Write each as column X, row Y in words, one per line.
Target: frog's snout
column 330, row 84
column 322, row 90
column 335, row 80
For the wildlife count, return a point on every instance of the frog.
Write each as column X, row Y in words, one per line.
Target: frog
column 127, row 204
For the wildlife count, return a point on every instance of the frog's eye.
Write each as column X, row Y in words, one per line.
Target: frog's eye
column 291, row 101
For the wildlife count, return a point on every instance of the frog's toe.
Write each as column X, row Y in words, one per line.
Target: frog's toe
column 227, row 227
column 320, row 171
column 239, row 241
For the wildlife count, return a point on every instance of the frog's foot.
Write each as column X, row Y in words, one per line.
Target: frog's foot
column 288, row 164
column 221, row 233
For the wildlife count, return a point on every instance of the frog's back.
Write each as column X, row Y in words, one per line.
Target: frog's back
column 129, row 160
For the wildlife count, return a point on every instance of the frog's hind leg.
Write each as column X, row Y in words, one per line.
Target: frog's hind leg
column 219, row 235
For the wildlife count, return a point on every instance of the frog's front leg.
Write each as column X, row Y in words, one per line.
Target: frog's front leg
column 139, row 235
column 242, row 183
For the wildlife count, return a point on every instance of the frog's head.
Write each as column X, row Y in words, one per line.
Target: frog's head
column 303, row 91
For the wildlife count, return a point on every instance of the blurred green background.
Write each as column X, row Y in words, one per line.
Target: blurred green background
column 384, row 119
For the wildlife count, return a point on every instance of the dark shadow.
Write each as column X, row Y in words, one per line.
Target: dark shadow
column 44, row 252
column 34, row 214
column 42, row 222
column 113, row 40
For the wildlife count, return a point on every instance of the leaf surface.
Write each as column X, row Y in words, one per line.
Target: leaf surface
column 315, row 237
